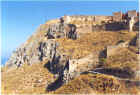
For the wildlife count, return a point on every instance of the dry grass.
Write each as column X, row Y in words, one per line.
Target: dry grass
column 96, row 84
column 53, row 21
column 91, row 42
column 26, row 80
column 122, row 59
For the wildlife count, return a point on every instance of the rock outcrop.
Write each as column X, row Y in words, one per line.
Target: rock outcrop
column 47, row 49
column 37, row 50
column 68, row 48
column 61, row 30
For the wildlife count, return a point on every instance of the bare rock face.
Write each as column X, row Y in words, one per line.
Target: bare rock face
column 28, row 52
column 41, row 45
column 55, row 31
column 47, row 49
column 24, row 55
column 58, row 63
column 71, row 31
column 60, row 30
column 17, row 58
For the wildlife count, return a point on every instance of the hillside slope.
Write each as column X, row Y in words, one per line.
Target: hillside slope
column 46, row 57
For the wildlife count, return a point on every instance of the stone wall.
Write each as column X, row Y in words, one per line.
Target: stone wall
column 70, row 68
column 83, row 20
column 109, row 21
column 100, row 23
column 84, row 64
column 114, row 26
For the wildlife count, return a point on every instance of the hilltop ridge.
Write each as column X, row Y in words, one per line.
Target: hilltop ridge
column 77, row 48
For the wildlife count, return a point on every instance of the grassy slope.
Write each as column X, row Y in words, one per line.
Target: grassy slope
column 96, row 83
column 25, row 79
column 125, row 58
column 91, row 42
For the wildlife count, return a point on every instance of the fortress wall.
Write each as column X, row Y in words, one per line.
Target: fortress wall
column 91, row 18
column 99, row 19
column 97, row 23
column 83, row 64
column 81, row 20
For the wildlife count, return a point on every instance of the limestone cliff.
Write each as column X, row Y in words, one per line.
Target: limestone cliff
column 41, row 45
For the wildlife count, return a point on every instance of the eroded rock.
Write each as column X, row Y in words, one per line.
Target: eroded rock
column 60, row 30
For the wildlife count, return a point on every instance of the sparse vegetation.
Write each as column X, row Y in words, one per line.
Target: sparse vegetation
column 95, row 83
column 123, row 58
column 26, row 80
column 36, row 77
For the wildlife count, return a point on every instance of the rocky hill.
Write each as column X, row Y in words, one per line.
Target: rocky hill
column 69, row 57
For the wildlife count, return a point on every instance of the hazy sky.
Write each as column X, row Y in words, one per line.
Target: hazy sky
column 21, row 19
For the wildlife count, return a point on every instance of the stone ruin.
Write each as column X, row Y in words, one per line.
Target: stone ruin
column 67, row 68
column 70, row 68
column 119, row 21
column 81, row 20
column 60, row 63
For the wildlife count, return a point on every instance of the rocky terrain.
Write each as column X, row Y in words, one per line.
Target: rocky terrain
column 71, row 57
